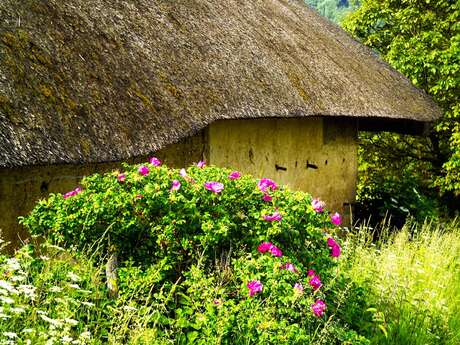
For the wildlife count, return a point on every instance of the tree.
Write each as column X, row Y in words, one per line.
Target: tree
column 335, row 10
column 421, row 39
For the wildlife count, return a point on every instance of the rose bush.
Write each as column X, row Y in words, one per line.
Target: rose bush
column 228, row 257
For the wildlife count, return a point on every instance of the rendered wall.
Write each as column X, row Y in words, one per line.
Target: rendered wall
column 21, row 188
column 315, row 155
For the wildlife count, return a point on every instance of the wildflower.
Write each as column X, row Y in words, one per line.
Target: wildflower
column 8, row 287
column 129, row 308
column 215, row 187
column 6, row 300
column 311, row 273
column 53, row 322
column 336, row 219
column 121, row 178
column 265, row 184
column 55, row 289
column 10, row 335
column 27, row 330
column 201, row 164
column 298, row 288
column 267, row 198
column 143, row 170
column 273, row 217
column 73, row 277
column 139, row 196
column 88, row 304
column 217, row 301
column 18, row 310
column 335, row 248
column 155, row 162
column 289, row 267
column 264, row 247
column 71, row 322
column 234, row 175
column 182, row 172
column 66, row 339
column 315, row 282
column 74, row 286
column 13, row 264
column 175, row 185
column 254, row 287
column 318, row 205
column 85, row 335
column 318, row 308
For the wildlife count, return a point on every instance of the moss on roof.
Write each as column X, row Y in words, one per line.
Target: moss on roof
column 104, row 80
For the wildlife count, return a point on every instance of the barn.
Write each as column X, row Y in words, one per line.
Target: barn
column 268, row 87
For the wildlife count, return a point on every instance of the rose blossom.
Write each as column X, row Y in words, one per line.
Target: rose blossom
column 265, row 184
column 298, row 288
column 335, row 248
column 336, row 219
column 175, row 185
column 215, row 187
column 254, row 287
column 315, row 282
column 143, row 170
column 267, row 198
column 234, row 175
column 289, row 267
column 318, row 308
column 318, row 205
column 273, row 217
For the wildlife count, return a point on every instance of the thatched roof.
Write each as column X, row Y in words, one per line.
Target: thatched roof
column 104, row 80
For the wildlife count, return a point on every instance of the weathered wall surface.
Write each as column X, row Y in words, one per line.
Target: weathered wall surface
column 21, row 188
column 315, row 155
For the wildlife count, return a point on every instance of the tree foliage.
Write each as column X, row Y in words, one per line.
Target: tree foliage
column 335, row 10
column 421, row 39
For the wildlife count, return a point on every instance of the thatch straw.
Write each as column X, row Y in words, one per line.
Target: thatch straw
column 104, row 80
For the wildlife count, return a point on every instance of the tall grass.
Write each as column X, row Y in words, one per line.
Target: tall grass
column 412, row 282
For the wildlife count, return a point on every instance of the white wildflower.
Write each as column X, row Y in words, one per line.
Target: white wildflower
column 129, row 308
column 27, row 290
column 56, row 323
column 42, row 312
column 55, row 289
column 18, row 278
column 75, row 286
column 13, row 264
column 66, row 339
column 73, row 277
column 18, row 310
column 71, row 321
column 7, row 286
column 10, row 335
column 27, row 330
column 85, row 335
column 88, row 304
column 28, row 342
column 3, row 292
column 44, row 257
column 6, row 300
column 4, row 316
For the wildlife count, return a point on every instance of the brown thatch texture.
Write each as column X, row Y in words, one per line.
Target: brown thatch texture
column 103, row 80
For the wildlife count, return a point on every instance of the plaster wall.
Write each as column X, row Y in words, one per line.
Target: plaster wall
column 315, row 155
